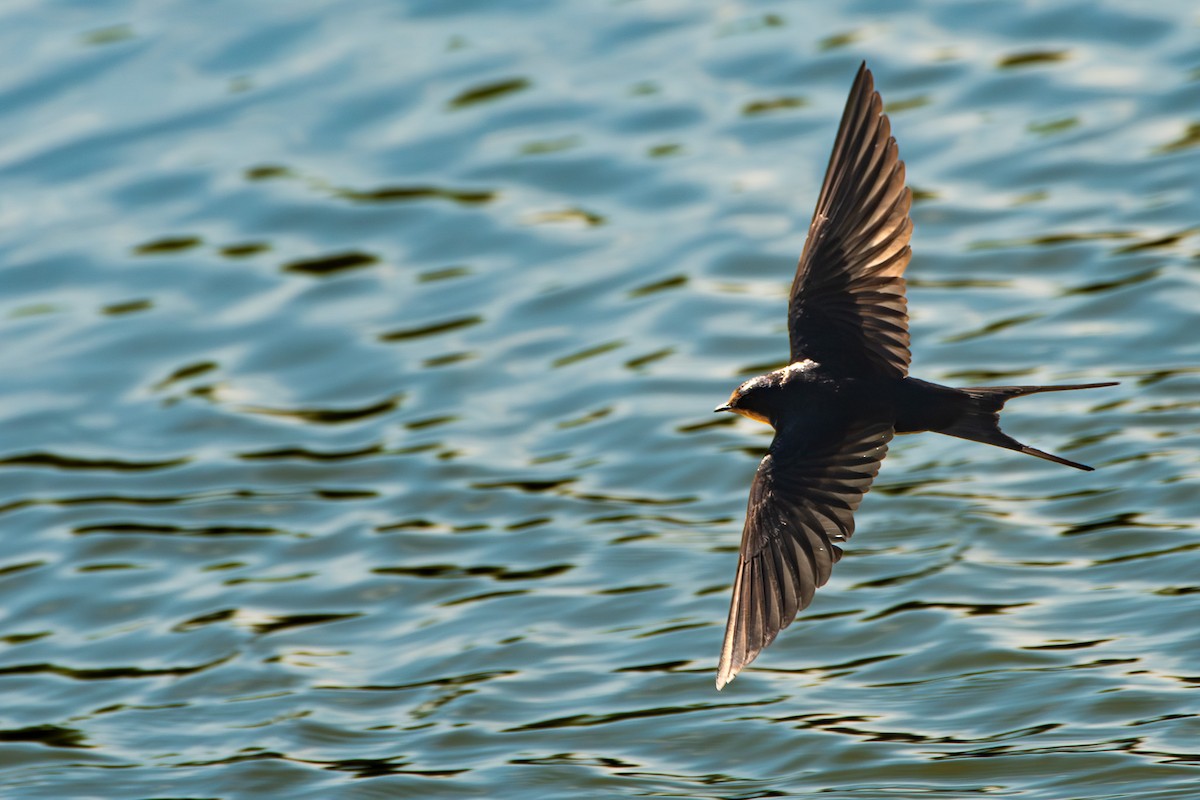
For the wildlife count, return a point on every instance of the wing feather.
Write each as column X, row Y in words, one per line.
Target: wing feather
column 847, row 309
column 803, row 499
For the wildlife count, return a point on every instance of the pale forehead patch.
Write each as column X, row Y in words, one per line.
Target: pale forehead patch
column 753, row 383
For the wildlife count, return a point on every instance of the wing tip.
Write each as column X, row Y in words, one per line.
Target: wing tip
column 726, row 672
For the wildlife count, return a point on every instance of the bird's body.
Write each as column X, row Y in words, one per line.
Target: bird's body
column 847, row 391
column 913, row 405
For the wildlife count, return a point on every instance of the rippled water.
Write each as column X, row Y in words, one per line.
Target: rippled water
column 359, row 364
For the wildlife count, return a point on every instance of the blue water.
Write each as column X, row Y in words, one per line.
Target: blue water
column 359, row 361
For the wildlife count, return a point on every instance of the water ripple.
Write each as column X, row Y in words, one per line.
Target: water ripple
column 358, row 388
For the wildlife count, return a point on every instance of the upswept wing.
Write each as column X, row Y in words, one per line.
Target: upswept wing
column 847, row 309
column 802, row 501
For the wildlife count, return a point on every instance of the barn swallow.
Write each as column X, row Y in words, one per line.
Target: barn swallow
column 846, row 392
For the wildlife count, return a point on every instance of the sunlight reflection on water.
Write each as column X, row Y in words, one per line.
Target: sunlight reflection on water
column 358, row 432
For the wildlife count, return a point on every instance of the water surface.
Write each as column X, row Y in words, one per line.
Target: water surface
column 359, row 369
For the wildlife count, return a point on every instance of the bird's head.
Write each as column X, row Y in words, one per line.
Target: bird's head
column 752, row 399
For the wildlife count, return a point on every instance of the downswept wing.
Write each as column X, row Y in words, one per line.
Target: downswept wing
column 802, row 501
column 847, row 309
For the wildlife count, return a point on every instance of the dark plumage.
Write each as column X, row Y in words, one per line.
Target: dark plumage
column 847, row 390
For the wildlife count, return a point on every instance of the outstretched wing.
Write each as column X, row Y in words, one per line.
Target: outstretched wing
column 847, row 309
column 803, row 500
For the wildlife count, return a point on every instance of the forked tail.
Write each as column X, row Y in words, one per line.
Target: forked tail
column 980, row 420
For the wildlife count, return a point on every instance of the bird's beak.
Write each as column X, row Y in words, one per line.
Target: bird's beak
column 719, row 409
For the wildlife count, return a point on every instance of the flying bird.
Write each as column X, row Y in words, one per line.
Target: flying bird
column 846, row 391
